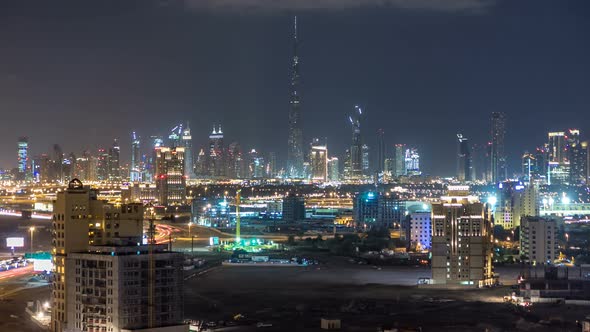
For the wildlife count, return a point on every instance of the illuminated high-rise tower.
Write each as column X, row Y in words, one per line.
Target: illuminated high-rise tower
column 216, row 164
column 464, row 161
column 381, row 151
column 295, row 149
column 135, row 171
column 175, row 136
column 356, row 149
column 318, row 159
column 23, row 158
column 399, row 161
column 189, row 171
column 498, row 157
column 114, row 173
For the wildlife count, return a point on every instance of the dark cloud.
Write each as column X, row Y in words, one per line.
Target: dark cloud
column 475, row 6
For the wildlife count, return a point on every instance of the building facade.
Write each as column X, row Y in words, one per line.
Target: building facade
column 420, row 231
column 462, row 240
column 538, row 242
column 170, row 179
column 498, row 155
column 464, row 161
column 22, row 158
column 376, row 209
column 293, row 208
column 295, row 142
column 81, row 220
column 113, row 288
column 318, row 160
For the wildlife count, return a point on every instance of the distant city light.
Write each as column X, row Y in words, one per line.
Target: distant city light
column 492, row 200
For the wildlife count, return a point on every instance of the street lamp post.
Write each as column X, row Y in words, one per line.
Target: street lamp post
column 192, row 246
column 32, row 229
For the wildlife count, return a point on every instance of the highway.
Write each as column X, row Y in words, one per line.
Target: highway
column 14, row 274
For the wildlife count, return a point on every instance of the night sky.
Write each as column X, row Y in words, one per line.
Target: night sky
column 80, row 73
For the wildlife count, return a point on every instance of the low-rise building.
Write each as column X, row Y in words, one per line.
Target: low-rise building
column 538, row 243
column 420, row 231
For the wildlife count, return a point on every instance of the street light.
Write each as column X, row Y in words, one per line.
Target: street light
column 32, row 229
column 189, row 228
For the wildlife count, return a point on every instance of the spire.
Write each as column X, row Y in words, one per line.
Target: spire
column 295, row 30
column 295, row 147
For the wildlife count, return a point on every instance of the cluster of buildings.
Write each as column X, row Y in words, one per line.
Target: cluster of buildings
column 105, row 277
column 563, row 159
column 56, row 167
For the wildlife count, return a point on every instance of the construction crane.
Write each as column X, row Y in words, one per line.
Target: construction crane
column 151, row 272
column 238, row 200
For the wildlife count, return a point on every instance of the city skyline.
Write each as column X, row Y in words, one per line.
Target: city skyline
column 114, row 97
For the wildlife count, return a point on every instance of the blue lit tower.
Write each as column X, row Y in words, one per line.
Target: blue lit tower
column 356, row 149
column 135, row 172
column 295, row 150
column 23, row 158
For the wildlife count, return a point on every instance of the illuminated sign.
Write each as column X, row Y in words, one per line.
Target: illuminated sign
column 42, row 265
column 214, row 241
column 15, row 242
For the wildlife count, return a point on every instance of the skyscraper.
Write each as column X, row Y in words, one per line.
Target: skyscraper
column 170, row 180
column 380, row 151
column 58, row 157
column 412, row 160
column 23, row 158
column 558, row 164
column 271, row 165
column 149, row 168
column 498, row 156
column 102, row 165
column 356, row 148
column 318, row 159
column 216, row 164
column 295, row 148
column 187, row 143
column 333, row 169
column 175, row 136
column 399, row 160
column 464, row 161
column 201, row 164
column 135, row 171
column 256, row 165
column 114, row 164
column 529, row 166
column 235, row 167
column 366, row 161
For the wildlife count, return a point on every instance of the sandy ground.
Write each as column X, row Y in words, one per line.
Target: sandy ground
column 295, row 299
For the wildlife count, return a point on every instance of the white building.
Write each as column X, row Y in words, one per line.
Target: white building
column 537, row 240
column 111, row 289
column 420, row 230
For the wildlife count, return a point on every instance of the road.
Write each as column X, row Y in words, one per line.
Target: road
column 13, row 274
column 15, row 292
